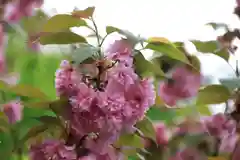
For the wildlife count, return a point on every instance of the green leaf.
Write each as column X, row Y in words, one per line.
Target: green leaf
column 61, row 38
column 168, row 49
column 111, row 29
column 205, row 47
column 86, row 13
column 161, row 114
column 28, row 91
column 147, row 128
column 48, row 120
column 130, row 140
column 213, row 94
column 230, row 83
column 130, row 36
column 33, row 132
column 223, row 53
column 62, row 22
column 34, row 23
column 84, row 52
column 218, row 25
column 211, row 47
column 189, row 110
column 143, row 66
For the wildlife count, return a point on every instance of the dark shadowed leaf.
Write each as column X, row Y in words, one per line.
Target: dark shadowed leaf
column 168, row 49
column 84, row 52
column 48, row 120
column 130, row 140
column 130, row 36
column 230, row 83
column 147, row 128
column 213, row 94
column 218, row 25
column 62, row 22
column 143, row 66
column 86, row 13
column 34, row 131
column 66, row 37
column 211, row 47
column 28, row 91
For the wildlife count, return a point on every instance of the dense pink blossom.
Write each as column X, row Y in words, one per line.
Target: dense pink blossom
column 63, row 82
column 52, row 149
column 121, row 50
column 185, row 84
column 218, row 125
column 189, row 154
column 13, row 111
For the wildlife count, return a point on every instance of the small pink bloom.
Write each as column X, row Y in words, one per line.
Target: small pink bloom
column 121, row 50
column 228, row 143
column 161, row 133
column 185, row 85
column 2, row 50
column 13, row 111
column 33, row 44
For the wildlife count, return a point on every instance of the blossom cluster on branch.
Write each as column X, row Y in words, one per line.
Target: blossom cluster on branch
column 106, row 98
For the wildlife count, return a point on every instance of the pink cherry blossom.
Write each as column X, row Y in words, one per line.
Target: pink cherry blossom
column 17, row 9
column 161, row 133
column 63, row 82
column 185, row 85
column 218, row 125
column 228, row 143
column 13, row 111
column 2, row 50
column 32, row 43
column 121, row 50
column 52, row 149
column 238, row 2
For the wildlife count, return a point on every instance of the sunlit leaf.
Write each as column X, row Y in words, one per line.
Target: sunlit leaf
column 147, row 128
column 213, row 94
column 217, row 158
column 86, row 13
column 62, row 22
column 168, row 50
column 62, row 38
column 131, row 140
column 157, row 40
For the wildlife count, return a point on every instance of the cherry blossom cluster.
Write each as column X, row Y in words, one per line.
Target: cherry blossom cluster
column 107, row 99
